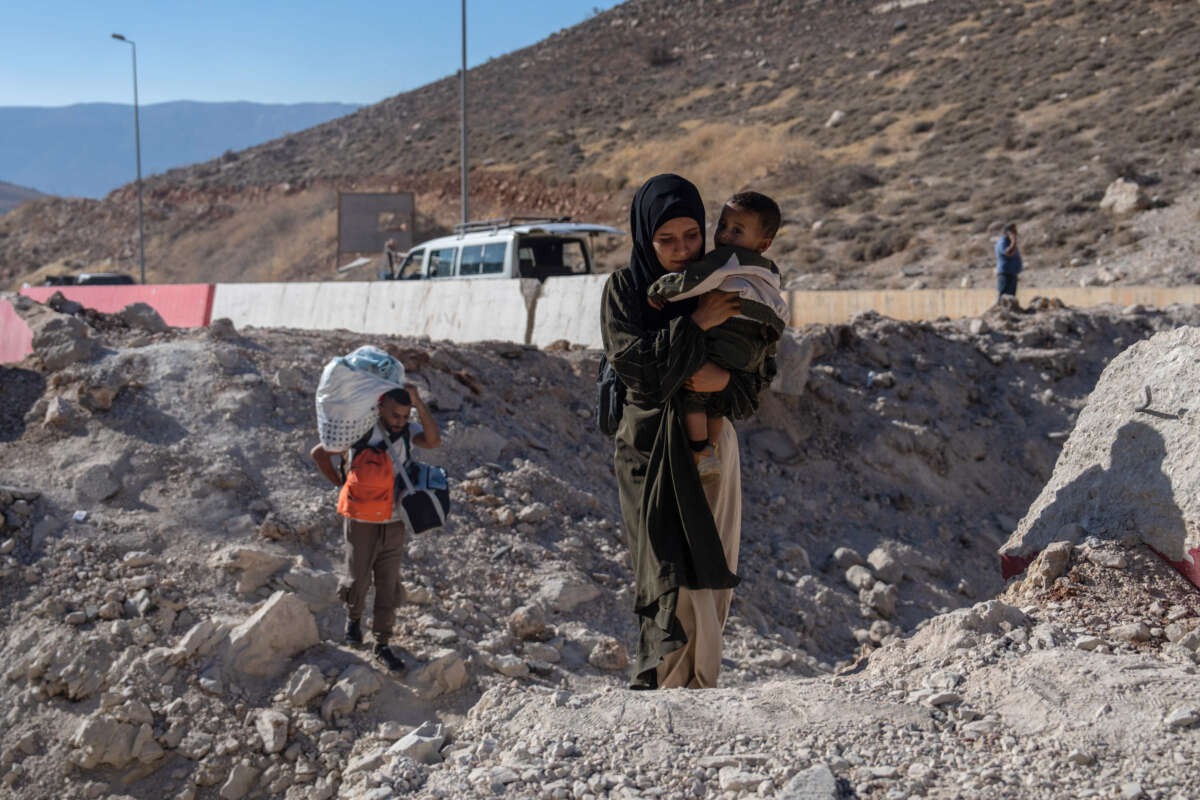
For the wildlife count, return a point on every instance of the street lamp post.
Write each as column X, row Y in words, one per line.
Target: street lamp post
column 462, row 91
column 137, row 140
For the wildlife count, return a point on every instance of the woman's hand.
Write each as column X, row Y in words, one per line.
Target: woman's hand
column 715, row 308
column 709, row 378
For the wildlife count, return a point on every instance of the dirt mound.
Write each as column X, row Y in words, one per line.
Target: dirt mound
column 1129, row 468
column 169, row 558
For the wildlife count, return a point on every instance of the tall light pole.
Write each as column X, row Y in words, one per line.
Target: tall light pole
column 462, row 91
column 137, row 141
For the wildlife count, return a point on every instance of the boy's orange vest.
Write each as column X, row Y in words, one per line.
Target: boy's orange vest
column 367, row 492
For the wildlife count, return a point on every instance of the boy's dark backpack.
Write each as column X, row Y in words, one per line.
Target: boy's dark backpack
column 610, row 398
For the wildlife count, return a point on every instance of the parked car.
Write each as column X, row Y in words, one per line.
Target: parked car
column 517, row 247
column 90, row 279
column 104, row 279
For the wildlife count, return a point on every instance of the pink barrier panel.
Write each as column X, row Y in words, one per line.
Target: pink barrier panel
column 181, row 305
column 16, row 340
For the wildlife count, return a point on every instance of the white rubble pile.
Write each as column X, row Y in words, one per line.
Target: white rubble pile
column 169, row 625
column 1129, row 468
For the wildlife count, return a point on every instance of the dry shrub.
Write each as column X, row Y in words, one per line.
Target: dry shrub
column 890, row 240
column 842, row 187
column 659, row 55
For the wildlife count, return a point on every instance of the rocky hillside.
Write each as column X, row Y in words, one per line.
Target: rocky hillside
column 168, row 623
column 897, row 137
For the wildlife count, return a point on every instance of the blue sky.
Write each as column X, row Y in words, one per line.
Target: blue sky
column 58, row 53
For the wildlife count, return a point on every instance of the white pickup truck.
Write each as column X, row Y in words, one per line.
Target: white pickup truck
column 517, row 247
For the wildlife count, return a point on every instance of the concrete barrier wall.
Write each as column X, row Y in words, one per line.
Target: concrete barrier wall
column 181, row 305
column 569, row 308
column 316, row 306
column 506, row 310
column 452, row 310
column 925, row 304
column 16, row 340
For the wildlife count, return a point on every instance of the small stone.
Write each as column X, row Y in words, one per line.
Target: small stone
column 509, row 665
column 815, row 783
column 1049, row 565
column 304, row 685
column 980, row 728
column 1182, row 717
column 96, row 483
column 421, row 744
column 885, row 565
column 943, row 698
column 1131, row 632
column 845, row 557
column 1108, row 559
column 1088, row 642
column 137, row 558
column 60, row 413
column 272, row 728
column 533, row 513
column 529, row 622
column 734, row 779
column 608, row 654
column 240, row 779
column 1131, row 791
column 859, row 577
column 562, row 593
column 1081, row 757
column 541, row 652
column 881, row 597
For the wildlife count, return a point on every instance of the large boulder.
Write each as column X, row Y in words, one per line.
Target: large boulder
column 101, row 739
column 794, row 355
column 355, row 682
column 1129, row 468
column 1124, row 197
column 256, row 566
column 564, row 592
column 60, row 340
column 142, row 315
column 263, row 644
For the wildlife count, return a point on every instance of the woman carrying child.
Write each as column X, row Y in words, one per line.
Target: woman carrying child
column 683, row 535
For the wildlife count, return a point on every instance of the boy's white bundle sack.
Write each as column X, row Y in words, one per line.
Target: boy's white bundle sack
column 348, row 395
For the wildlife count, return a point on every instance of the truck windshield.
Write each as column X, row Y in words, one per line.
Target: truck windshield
column 543, row 257
column 411, row 267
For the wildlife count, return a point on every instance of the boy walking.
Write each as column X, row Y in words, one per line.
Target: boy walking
column 375, row 549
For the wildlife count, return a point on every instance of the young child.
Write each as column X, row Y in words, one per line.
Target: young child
column 748, row 224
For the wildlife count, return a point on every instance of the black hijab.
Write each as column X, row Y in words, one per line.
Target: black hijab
column 661, row 199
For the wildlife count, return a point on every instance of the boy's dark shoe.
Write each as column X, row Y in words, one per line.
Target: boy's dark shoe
column 354, row 631
column 390, row 659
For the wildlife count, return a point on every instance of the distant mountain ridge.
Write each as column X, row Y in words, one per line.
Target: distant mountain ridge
column 12, row 196
column 87, row 149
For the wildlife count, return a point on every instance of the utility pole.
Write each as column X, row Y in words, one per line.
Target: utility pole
column 462, row 91
column 137, row 140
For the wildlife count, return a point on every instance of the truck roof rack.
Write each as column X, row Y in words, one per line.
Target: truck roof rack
column 503, row 222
